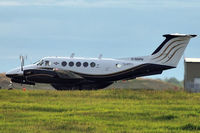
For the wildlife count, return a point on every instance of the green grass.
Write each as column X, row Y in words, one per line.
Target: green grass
column 42, row 111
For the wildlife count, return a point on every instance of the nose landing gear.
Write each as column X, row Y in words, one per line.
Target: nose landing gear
column 10, row 86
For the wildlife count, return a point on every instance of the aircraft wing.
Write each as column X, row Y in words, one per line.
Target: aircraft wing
column 33, row 74
column 65, row 74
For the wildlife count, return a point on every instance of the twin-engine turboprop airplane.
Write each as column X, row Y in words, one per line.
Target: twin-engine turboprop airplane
column 68, row 73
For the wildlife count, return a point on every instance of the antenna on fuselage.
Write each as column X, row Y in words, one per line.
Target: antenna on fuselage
column 72, row 55
column 100, row 56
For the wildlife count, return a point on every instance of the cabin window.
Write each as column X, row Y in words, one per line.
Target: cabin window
column 71, row 64
column 78, row 64
column 92, row 64
column 47, row 63
column 64, row 63
column 85, row 64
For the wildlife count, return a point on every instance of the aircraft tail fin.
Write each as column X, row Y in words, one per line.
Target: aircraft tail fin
column 171, row 49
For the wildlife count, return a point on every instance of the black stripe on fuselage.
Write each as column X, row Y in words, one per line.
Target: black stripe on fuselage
column 141, row 70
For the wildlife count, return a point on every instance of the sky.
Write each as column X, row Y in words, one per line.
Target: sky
column 114, row 28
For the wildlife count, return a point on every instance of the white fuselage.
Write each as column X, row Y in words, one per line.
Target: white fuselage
column 95, row 66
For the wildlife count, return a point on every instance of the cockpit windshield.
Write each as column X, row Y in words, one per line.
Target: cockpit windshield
column 43, row 62
column 40, row 62
column 36, row 62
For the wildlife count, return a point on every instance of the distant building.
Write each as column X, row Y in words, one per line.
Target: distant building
column 192, row 74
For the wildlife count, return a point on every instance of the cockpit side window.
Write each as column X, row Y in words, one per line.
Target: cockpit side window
column 47, row 63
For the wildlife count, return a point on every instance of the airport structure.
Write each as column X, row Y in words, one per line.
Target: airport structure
column 192, row 74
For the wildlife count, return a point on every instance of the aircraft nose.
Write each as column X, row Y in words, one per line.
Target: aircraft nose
column 13, row 73
column 7, row 75
column 10, row 74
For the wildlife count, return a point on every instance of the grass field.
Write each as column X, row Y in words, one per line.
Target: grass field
column 41, row 111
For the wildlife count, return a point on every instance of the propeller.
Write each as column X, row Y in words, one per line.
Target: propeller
column 21, row 57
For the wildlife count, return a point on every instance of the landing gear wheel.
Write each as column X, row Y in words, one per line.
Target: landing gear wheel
column 10, row 86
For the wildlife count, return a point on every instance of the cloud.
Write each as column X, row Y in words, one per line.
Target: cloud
column 9, row 57
column 10, row 3
column 71, row 3
column 103, row 3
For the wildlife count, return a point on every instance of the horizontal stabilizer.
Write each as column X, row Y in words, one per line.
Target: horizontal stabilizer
column 179, row 35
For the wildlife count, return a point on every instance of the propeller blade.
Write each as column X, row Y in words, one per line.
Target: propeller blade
column 22, row 62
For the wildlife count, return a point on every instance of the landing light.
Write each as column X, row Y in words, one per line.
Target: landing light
column 118, row 65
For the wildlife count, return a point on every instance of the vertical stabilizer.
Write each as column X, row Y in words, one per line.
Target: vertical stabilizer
column 171, row 49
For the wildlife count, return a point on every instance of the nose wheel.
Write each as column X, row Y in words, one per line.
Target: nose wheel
column 10, row 86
